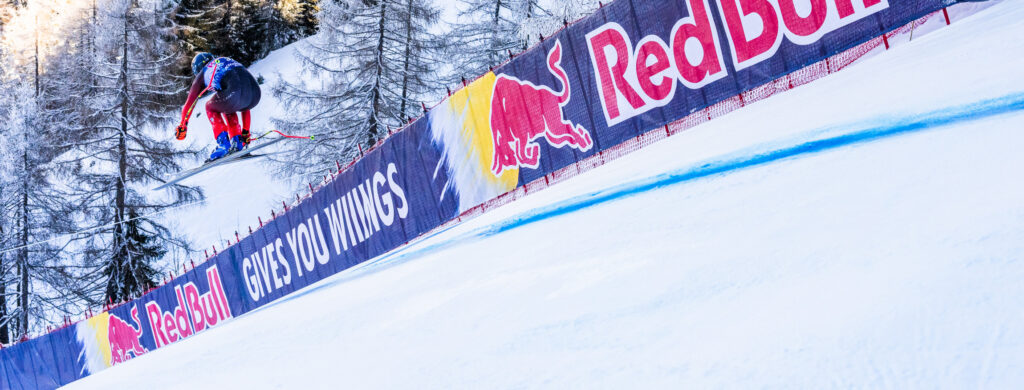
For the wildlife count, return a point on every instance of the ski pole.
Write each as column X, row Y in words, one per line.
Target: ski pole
column 282, row 134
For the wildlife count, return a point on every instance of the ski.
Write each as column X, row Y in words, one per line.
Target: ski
column 230, row 158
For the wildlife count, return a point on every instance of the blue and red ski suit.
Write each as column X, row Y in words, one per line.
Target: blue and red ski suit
column 236, row 92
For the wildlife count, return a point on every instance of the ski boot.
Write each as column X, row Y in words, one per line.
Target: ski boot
column 239, row 142
column 223, row 146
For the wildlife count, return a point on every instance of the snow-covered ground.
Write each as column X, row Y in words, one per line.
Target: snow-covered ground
column 741, row 253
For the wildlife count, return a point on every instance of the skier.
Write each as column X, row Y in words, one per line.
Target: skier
column 236, row 92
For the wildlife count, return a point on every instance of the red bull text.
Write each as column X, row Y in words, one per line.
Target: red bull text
column 632, row 81
column 194, row 312
column 522, row 112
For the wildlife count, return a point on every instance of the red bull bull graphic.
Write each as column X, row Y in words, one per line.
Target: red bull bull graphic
column 124, row 338
column 109, row 340
column 522, row 113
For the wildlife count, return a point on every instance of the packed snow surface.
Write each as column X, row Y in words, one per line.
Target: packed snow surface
column 865, row 230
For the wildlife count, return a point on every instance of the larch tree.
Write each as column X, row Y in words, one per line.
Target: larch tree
column 6, row 13
column 245, row 30
column 376, row 61
column 36, row 210
column 195, row 20
column 122, row 147
column 553, row 16
column 488, row 31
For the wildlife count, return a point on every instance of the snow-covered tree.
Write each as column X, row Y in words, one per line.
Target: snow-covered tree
column 376, row 62
column 195, row 20
column 245, row 30
column 6, row 13
column 134, row 272
column 121, row 147
column 35, row 210
column 552, row 16
column 487, row 31
column 257, row 27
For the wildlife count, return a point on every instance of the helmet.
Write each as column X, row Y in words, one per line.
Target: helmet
column 200, row 61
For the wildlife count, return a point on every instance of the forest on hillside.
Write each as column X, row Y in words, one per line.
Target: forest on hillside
column 90, row 92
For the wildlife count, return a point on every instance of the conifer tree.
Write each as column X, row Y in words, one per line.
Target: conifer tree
column 5, row 210
column 487, row 32
column 377, row 61
column 194, row 21
column 6, row 13
column 133, row 273
column 257, row 27
column 245, row 30
column 35, row 208
column 307, row 21
column 122, row 148
column 552, row 18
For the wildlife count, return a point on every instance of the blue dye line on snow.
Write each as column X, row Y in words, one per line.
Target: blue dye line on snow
column 748, row 158
column 925, row 121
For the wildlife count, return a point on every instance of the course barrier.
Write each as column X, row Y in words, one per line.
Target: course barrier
column 633, row 73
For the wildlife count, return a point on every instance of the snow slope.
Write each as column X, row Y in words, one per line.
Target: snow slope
column 865, row 230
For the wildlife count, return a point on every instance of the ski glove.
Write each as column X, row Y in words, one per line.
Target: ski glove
column 180, row 132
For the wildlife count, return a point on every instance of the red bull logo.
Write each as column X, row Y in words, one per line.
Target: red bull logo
column 635, row 78
column 522, row 113
column 124, row 338
column 194, row 311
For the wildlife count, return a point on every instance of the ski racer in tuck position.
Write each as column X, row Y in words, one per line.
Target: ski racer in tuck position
column 236, row 92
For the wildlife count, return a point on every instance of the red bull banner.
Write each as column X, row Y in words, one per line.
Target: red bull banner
column 633, row 66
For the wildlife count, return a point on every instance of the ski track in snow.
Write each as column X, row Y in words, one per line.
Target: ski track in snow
column 817, row 239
